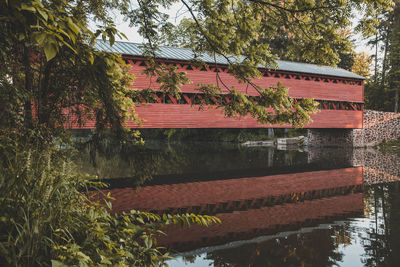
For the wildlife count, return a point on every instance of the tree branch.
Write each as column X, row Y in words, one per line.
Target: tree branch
column 293, row 10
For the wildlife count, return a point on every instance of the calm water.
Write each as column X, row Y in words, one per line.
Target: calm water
column 278, row 208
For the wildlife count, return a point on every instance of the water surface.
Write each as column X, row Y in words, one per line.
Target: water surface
column 321, row 207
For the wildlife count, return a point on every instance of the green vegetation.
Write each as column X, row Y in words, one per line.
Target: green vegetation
column 212, row 135
column 48, row 216
column 228, row 135
column 49, row 66
column 390, row 146
column 382, row 89
column 51, row 76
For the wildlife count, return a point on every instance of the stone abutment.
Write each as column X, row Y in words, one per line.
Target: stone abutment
column 378, row 126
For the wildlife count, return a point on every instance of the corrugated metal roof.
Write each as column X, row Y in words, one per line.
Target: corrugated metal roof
column 185, row 54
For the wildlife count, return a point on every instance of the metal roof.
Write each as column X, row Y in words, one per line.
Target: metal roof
column 185, row 54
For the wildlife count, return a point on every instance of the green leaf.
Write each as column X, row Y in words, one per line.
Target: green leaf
column 70, row 47
column 27, row 8
column 112, row 39
column 43, row 14
column 21, row 37
column 123, row 35
column 140, row 219
column 73, row 27
column 55, row 263
column 50, row 50
column 40, row 37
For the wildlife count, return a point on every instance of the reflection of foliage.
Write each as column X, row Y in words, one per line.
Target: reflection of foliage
column 189, row 259
column 316, row 248
column 342, row 237
column 224, row 135
column 219, row 135
column 161, row 158
column 380, row 240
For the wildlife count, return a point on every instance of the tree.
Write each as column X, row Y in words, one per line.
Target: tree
column 50, row 67
column 362, row 64
column 394, row 56
column 381, row 89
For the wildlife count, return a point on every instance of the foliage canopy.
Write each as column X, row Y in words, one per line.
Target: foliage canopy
column 383, row 88
column 50, row 68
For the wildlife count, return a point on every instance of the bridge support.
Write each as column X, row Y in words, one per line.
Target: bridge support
column 378, row 126
column 330, row 138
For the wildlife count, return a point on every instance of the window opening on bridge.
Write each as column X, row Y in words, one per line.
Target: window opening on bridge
column 198, row 99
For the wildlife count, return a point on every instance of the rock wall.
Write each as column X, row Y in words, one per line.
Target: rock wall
column 330, row 137
column 378, row 167
column 378, row 160
column 378, row 126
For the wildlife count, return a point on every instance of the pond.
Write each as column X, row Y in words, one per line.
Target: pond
column 315, row 207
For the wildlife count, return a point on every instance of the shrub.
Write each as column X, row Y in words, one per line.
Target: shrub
column 47, row 217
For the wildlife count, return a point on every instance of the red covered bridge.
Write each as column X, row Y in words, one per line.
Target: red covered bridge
column 339, row 92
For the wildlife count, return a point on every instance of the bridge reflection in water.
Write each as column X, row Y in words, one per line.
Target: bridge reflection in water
column 249, row 207
column 278, row 208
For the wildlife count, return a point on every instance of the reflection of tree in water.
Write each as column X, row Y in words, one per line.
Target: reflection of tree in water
column 189, row 259
column 316, row 248
column 137, row 162
column 381, row 242
column 342, row 236
column 159, row 158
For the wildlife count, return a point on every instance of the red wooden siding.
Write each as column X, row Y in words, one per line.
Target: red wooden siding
column 159, row 115
column 327, row 88
column 187, row 116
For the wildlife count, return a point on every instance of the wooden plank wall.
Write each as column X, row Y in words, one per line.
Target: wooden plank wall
column 317, row 87
column 160, row 115
column 186, row 116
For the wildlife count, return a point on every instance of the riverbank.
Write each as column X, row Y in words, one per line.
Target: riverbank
column 210, row 135
column 390, row 146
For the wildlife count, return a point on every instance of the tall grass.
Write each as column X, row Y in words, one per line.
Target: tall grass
column 47, row 218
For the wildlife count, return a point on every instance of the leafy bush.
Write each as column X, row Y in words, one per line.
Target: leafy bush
column 48, row 216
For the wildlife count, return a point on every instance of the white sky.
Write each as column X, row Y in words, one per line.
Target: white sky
column 177, row 12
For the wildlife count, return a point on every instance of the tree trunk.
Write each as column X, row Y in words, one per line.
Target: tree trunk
column 384, row 67
column 376, row 58
column 43, row 103
column 396, row 100
column 28, row 118
column 270, row 132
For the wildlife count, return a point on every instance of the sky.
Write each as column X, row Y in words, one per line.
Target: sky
column 177, row 12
